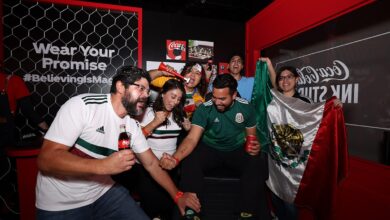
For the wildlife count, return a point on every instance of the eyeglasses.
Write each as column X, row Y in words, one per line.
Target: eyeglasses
column 289, row 77
column 141, row 88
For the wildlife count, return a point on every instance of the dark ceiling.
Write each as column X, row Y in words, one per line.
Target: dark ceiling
column 232, row 10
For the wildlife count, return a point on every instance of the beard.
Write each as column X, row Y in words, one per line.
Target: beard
column 130, row 104
column 223, row 109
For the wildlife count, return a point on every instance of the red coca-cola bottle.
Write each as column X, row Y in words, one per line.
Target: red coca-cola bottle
column 123, row 139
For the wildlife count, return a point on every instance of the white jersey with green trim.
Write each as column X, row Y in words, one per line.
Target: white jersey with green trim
column 89, row 123
column 164, row 138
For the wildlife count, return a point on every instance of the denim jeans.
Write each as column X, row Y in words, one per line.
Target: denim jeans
column 116, row 204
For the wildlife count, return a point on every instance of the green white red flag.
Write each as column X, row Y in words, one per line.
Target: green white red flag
column 306, row 144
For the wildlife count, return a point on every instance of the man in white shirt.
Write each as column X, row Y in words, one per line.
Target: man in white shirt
column 80, row 153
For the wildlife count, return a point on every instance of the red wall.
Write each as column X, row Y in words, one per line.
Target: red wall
column 283, row 19
column 365, row 193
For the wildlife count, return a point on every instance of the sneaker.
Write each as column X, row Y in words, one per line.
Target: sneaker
column 246, row 216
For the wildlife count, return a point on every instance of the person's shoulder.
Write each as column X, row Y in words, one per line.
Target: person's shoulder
column 243, row 105
column 302, row 97
column 146, row 116
column 91, row 95
column 207, row 104
column 87, row 99
column 149, row 110
column 134, row 124
column 246, row 78
column 92, row 98
column 241, row 101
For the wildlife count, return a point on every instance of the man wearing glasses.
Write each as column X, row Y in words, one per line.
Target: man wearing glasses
column 80, row 153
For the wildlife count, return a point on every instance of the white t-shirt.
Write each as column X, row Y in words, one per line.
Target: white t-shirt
column 163, row 138
column 87, row 122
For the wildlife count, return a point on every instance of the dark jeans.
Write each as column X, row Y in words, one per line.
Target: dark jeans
column 115, row 204
column 251, row 170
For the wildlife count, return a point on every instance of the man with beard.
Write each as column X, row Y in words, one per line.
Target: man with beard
column 221, row 125
column 80, row 153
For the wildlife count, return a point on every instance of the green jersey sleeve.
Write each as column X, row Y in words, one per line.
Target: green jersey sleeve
column 200, row 116
column 251, row 114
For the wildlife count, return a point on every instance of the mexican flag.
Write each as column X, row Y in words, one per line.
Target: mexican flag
column 306, row 144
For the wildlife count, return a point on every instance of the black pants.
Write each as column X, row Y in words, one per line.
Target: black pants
column 251, row 170
column 155, row 200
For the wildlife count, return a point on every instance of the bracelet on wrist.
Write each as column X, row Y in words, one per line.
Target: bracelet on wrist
column 176, row 160
column 178, row 195
column 146, row 132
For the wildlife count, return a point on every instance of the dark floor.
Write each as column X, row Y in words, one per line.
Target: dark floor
column 221, row 199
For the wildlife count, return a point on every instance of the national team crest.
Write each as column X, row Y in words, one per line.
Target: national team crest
column 239, row 118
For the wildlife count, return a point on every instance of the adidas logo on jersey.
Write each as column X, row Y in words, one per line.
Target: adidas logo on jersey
column 216, row 120
column 100, row 130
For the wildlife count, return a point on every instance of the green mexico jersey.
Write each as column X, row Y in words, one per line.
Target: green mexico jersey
column 225, row 131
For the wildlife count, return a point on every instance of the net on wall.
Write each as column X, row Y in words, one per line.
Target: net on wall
column 63, row 50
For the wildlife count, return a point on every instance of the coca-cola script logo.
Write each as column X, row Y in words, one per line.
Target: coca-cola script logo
column 310, row 75
column 176, row 50
column 174, row 45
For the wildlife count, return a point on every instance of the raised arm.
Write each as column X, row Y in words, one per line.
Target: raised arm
column 272, row 72
column 157, row 73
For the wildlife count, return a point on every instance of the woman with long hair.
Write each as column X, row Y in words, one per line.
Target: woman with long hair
column 196, row 88
column 161, row 125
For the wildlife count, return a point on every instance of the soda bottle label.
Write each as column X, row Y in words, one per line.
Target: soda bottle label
column 123, row 139
column 123, row 144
